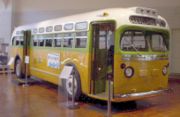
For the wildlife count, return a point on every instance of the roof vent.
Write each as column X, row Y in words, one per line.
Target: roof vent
column 145, row 11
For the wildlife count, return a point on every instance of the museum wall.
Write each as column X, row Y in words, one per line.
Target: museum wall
column 29, row 11
column 5, row 21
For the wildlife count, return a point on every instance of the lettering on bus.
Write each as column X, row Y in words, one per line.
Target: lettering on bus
column 53, row 61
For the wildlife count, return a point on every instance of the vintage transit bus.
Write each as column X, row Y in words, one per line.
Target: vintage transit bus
column 128, row 45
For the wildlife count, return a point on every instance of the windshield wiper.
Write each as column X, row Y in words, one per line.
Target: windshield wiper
column 133, row 46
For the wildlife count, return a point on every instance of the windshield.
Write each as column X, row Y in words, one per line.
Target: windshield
column 143, row 41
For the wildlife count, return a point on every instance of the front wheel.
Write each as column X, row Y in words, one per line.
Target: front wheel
column 68, row 85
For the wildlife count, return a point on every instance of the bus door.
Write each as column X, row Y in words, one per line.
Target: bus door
column 103, row 46
column 26, row 49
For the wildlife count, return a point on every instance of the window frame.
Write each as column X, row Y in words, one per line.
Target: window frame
column 68, row 37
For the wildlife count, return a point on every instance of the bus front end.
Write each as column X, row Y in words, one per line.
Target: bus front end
column 141, row 59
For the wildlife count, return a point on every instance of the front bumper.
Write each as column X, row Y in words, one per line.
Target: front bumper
column 137, row 96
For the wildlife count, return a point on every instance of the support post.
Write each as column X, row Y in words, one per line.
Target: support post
column 109, row 76
column 26, row 69
column 66, row 74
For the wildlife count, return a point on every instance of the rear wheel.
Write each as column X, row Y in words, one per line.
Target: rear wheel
column 18, row 69
column 68, row 85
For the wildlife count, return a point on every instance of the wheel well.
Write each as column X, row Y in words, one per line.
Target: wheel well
column 16, row 58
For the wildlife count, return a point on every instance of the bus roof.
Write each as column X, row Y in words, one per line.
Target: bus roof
column 120, row 15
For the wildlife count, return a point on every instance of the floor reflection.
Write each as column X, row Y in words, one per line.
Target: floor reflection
column 42, row 99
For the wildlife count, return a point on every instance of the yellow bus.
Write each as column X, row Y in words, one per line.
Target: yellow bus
column 129, row 45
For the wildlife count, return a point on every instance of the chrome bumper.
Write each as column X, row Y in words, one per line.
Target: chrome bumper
column 136, row 96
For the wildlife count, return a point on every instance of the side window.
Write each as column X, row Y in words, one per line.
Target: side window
column 40, row 40
column 48, row 42
column 68, row 26
column 58, row 28
column 21, row 41
column 41, row 30
column 68, row 40
column 49, row 29
column 102, row 40
column 35, row 40
column 35, row 30
column 58, row 40
column 81, row 40
column 81, row 26
column 13, row 41
column 18, row 41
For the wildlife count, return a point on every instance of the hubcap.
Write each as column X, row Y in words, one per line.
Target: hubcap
column 69, row 85
column 18, row 69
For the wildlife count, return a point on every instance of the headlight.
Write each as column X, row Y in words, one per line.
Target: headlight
column 129, row 72
column 164, row 70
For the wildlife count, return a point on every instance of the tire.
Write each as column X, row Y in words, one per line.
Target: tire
column 18, row 69
column 67, row 85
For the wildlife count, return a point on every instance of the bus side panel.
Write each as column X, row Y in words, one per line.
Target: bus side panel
column 41, row 69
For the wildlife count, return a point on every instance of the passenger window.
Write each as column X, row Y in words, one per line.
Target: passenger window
column 17, row 42
column 35, row 40
column 21, row 41
column 58, row 28
column 58, row 40
column 81, row 26
column 41, row 43
column 41, row 30
column 81, row 40
column 35, row 30
column 35, row 43
column 48, row 42
column 68, row 40
column 68, row 26
column 40, row 39
column 13, row 41
column 102, row 40
column 49, row 29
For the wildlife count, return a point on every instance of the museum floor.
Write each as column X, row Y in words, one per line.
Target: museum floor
column 42, row 100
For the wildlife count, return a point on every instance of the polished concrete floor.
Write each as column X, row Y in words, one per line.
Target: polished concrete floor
column 42, row 100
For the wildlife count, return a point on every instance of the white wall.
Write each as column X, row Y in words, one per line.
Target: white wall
column 5, row 21
column 29, row 11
